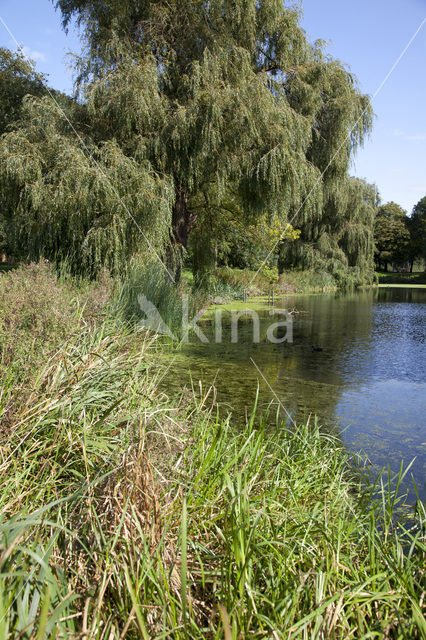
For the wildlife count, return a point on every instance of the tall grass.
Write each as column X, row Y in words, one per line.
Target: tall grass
column 40, row 310
column 125, row 514
column 73, row 469
column 149, row 283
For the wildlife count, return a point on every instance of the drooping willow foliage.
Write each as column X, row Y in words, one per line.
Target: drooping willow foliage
column 338, row 237
column 89, row 204
column 341, row 241
column 221, row 134
column 179, row 101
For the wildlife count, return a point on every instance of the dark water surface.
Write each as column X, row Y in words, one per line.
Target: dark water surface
column 368, row 382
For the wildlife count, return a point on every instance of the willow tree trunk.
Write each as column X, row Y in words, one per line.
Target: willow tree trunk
column 183, row 222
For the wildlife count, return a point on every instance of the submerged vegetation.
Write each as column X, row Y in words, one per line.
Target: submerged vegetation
column 151, row 517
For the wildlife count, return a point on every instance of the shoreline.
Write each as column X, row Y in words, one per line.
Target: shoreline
column 145, row 515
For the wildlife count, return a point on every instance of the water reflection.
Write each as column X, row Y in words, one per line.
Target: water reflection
column 369, row 379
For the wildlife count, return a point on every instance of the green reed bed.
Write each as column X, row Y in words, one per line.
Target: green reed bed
column 125, row 514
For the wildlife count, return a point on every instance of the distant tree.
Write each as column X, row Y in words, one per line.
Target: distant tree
column 391, row 235
column 417, row 229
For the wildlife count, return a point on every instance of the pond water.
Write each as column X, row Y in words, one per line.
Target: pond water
column 366, row 377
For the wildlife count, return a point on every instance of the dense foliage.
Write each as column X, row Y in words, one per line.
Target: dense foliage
column 391, row 235
column 90, row 204
column 212, row 132
column 417, row 229
column 183, row 106
column 400, row 240
column 17, row 78
column 340, row 240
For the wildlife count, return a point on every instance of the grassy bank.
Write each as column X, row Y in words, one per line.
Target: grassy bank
column 128, row 514
column 228, row 283
column 402, row 278
column 402, row 286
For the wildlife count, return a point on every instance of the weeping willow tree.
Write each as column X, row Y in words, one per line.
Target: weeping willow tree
column 218, row 95
column 78, row 201
column 17, row 79
column 341, row 241
column 181, row 103
column 338, row 237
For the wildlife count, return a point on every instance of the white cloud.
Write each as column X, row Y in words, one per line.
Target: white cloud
column 420, row 137
column 33, row 54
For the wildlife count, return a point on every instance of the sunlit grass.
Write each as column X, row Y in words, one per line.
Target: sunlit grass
column 256, row 283
column 126, row 514
column 409, row 279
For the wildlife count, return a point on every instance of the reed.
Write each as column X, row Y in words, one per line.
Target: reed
column 128, row 514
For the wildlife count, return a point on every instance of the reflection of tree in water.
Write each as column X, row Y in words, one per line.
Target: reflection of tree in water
column 368, row 376
column 304, row 381
column 401, row 294
column 311, row 381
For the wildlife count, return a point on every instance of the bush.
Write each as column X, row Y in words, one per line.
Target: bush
column 40, row 309
column 36, row 314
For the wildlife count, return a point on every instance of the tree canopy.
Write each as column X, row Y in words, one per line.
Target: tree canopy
column 17, row 79
column 91, row 205
column 417, row 229
column 340, row 240
column 391, row 235
column 182, row 106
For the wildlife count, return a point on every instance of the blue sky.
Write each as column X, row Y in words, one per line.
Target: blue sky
column 367, row 35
